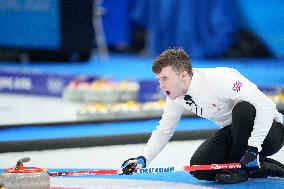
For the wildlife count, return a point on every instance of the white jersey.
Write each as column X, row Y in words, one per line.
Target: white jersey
column 212, row 94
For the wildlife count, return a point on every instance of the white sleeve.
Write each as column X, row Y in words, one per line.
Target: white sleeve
column 236, row 87
column 164, row 131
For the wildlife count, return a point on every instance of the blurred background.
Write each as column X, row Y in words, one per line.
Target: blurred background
column 78, row 73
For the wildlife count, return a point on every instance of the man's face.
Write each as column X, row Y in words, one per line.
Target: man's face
column 172, row 83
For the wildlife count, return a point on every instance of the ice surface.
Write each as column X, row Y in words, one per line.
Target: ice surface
column 111, row 157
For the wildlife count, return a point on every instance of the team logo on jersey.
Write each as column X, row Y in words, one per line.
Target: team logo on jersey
column 188, row 100
column 237, row 86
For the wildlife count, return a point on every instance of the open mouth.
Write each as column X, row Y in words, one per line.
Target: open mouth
column 168, row 93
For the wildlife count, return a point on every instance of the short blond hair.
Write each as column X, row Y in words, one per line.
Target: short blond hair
column 175, row 58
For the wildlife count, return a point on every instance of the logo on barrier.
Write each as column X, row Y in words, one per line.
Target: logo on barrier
column 55, row 85
column 16, row 83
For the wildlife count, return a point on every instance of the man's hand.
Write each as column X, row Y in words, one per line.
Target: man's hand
column 250, row 161
column 133, row 164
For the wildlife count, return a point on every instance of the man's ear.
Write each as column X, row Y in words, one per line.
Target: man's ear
column 184, row 75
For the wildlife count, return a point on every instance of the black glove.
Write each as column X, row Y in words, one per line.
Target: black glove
column 250, row 161
column 131, row 165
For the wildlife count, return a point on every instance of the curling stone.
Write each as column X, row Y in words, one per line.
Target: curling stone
column 20, row 177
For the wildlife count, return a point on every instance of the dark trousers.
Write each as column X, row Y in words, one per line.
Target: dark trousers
column 228, row 144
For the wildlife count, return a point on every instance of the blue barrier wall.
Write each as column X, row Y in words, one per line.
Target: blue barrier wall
column 265, row 19
column 202, row 28
column 30, row 24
